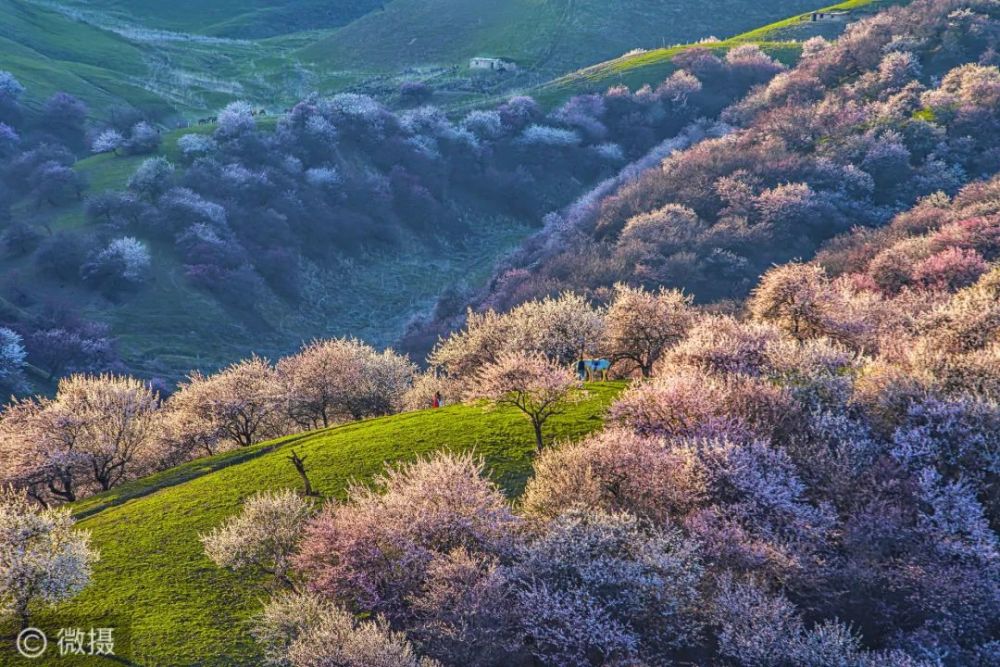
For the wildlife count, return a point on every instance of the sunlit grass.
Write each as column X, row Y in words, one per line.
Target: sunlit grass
column 181, row 609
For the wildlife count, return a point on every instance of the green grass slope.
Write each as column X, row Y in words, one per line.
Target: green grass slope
column 178, row 608
column 781, row 38
column 49, row 52
column 233, row 18
column 187, row 58
column 108, row 58
column 544, row 36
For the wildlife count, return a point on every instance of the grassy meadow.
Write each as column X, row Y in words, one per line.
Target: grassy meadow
column 185, row 59
column 177, row 608
column 781, row 38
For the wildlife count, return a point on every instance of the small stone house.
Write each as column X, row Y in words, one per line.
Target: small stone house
column 492, row 64
column 829, row 16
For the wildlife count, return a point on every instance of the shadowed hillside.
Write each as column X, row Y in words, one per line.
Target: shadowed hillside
column 545, row 38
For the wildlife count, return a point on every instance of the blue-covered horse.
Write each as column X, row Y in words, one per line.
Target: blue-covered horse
column 588, row 369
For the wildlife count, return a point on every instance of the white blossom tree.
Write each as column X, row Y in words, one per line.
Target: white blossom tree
column 108, row 141
column 564, row 329
column 152, row 178
column 12, row 360
column 640, row 325
column 795, row 297
column 235, row 119
column 241, row 404
column 263, row 536
column 304, row 630
column 38, row 452
column 529, row 382
column 193, row 145
column 42, row 559
column 544, row 135
column 482, row 340
column 111, row 421
column 334, row 380
column 127, row 256
column 93, row 435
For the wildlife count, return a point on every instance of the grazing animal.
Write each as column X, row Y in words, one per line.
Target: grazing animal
column 590, row 368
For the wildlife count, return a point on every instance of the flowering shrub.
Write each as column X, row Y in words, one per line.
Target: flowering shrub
column 374, row 551
column 43, row 560
column 263, row 536
column 617, row 471
column 591, row 577
column 301, row 630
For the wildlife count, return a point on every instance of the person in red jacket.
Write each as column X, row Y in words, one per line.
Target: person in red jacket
column 437, row 399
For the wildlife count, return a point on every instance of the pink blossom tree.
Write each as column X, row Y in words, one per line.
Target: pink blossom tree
column 951, row 269
column 333, row 380
column 617, row 471
column 528, row 382
column 241, row 404
column 641, row 325
column 373, row 551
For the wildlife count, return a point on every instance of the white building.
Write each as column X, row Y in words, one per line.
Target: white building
column 829, row 16
column 492, row 64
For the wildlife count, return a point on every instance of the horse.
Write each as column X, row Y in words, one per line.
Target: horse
column 589, row 368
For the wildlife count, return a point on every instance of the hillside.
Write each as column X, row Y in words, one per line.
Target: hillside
column 233, row 18
column 50, row 52
column 713, row 218
column 648, row 66
column 178, row 607
column 339, row 217
column 170, row 327
column 544, row 38
column 183, row 59
column 780, row 256
column 109, row 62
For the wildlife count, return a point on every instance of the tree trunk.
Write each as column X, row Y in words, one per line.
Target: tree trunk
column 66, row 492
column 539, row 443
column 300, row 466
column 23, row 618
